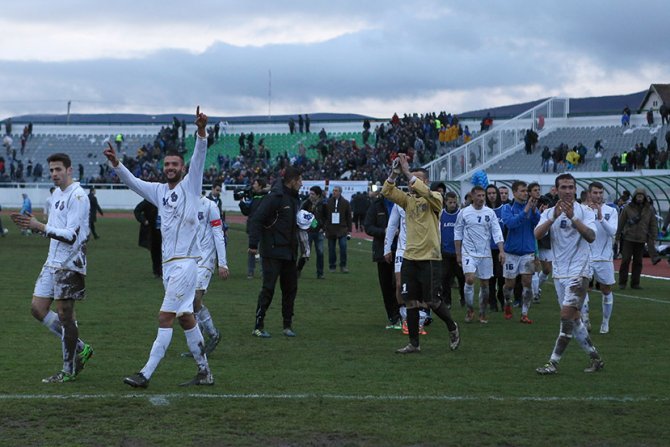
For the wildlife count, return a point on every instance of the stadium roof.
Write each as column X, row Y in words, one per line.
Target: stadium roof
column 663, row 90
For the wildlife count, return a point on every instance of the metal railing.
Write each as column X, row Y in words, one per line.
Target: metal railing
column 499, row 142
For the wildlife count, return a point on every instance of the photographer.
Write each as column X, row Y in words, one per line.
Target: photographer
column 250, row 198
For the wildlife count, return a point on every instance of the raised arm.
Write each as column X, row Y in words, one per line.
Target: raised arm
column 146, row 190
column 193, row 180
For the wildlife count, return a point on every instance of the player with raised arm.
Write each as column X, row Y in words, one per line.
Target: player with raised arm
column 63, row 274
column 475, row 226
column 178, row 203
column 572, row 228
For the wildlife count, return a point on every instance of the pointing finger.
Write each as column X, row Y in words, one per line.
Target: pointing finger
column 197, row 111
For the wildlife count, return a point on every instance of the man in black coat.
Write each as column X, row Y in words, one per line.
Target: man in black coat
column 273, row 229
column 248, row 205
column 376, row 220
column 93, row 212
column 150, row 238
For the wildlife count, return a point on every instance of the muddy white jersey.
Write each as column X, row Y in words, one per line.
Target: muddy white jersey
column 177, row 207
column 475, row 228
column 601, row 248
column 396, row 223
column 210, row 232
column 68, row 229
column 571, row 252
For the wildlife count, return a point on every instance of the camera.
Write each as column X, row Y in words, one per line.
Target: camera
column 542, row 200
column 242, row 193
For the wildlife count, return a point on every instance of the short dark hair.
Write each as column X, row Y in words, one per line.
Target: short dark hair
column 595, row 185
column 517, row 184
column 174, row 154
column 291, row 173
column 316, row 189
column 477, row 188
column 423, row 170
column 564, row 176
column 450, row 195
column 261, row 182
column 533, row 185
column 59, row 156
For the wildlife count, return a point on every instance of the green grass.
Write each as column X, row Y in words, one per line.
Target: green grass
column 337, row 383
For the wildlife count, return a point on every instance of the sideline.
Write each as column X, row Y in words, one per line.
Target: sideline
column 163, row 399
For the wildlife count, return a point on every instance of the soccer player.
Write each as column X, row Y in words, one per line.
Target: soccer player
column 497, row 281
column 520, row 219
column 178, row 203
column 475, row 226
column 602, row 254
column 572, row 228
column 212, row 248
column 450, row 268
column 62, row 277
column 421, row 273
column 543, row 255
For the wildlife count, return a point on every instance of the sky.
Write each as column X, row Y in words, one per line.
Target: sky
column 273, row 57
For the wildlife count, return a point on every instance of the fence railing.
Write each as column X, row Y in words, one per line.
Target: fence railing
column 498, row 142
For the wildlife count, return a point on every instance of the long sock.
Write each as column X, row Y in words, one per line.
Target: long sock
column 204, row 319
column 541, row 278
column 585, row 308
column 422, row 317
column 196, row 344
column 483, row 300
column 70, row 336
column 54, row 325
column 413, row 325
column 443, row 312
column 163, row 339
column 563, row 339
column 508, row 293
column 535, row 283
column 582, row 336
column 469, row 291
column 608, row 304
column 527, row 295
column 403, row 312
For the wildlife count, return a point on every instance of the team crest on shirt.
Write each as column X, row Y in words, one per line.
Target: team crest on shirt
column 173, row 197
column 201, row 215
column 564, row 224
column 487, row 218
column 607, row 216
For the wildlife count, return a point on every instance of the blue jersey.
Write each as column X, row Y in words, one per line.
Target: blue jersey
column 520, row 225
column 447, row 223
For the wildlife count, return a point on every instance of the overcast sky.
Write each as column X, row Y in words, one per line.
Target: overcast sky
column 369, row 57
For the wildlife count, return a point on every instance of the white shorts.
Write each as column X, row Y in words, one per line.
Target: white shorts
column 204, row 277
column 482, row 267
column 516, row 265
column 179, row 278
column 545, row 255
column 60, row 284
column 397, row 265
column 571, row 291
column 603, row 272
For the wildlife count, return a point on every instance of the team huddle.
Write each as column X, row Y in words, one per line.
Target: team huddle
column 426, row 239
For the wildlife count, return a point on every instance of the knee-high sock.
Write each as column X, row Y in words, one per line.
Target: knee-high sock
column 413, row 326
column 54, row 325
column 196, row 344
column 564, row 336
column 204, row 319
column 585, row 308
column 443, row 312
column 483, row 300
column 403, row 312
column 582, row 335
column 608, row 304
column 535, row 283
column 422, row 317
column 541, row 278
column 469, row 291
column 527, row 296
column 508, row 294
column 161, row 343
column 70, row 336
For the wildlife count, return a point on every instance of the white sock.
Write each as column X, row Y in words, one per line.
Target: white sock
column 535, row 283
column 608, row 303
column 585, row 308
column 483, row 300
column 526, row 297
column 581, row 334
column 422, row 317
column 541, row 277
column 196, row 344
column 403, row 313
column 204, row 319
column 52, row 322
column 163, row 339
column 469, row 290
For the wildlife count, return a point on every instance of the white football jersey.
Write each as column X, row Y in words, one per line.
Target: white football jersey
column 396, row 222
column 210, row 231
column 601, row 248
column 177, row 208
column 571, row 252
column 475, row 228
column 68, row 229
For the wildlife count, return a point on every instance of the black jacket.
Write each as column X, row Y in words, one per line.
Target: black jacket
column 376, row 220
column 320, row 214
column 273, row 226
column 249, row 207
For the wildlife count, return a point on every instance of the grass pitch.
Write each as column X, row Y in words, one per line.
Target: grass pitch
column 337, row 383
